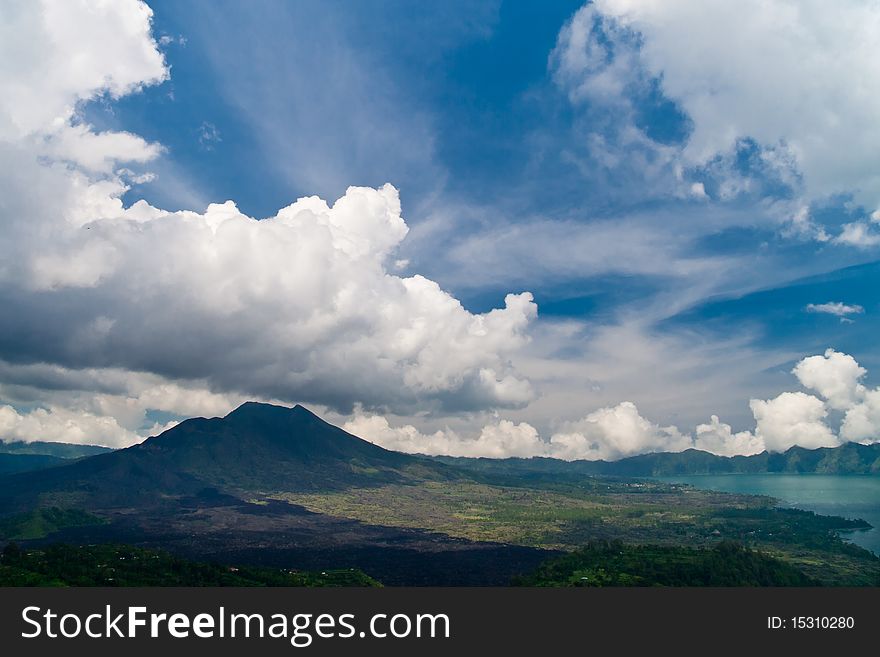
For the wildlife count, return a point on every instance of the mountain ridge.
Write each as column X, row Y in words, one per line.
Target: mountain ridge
column 849, row 458
column 279, row 434
column 45, row 448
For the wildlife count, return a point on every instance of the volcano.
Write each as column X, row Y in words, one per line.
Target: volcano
column 256, row 449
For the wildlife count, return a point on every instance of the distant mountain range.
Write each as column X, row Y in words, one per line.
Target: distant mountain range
column 262, row 447
column 851, row 458
column 18, row 456
column 58, row 450
column 259, row 445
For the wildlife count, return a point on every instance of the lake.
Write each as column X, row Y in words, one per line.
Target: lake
column 850, row 496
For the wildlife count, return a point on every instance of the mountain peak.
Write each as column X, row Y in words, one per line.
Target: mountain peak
column 261, row 446
column 252, row 408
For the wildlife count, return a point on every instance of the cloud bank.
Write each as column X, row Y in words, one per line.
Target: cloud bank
column 791, row 418
column 608, row 433
column 302, row 305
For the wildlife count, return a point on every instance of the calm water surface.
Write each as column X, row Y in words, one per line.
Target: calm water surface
column 850, row 496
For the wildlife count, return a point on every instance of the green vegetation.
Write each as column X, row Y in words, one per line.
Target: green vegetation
column 604, row 563
column 39, row 523
column 462, row 509
column 122, row 565
column 636, row 513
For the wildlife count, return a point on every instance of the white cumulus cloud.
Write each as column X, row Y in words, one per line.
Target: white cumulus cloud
column 792, row 418
column 796, row 418
column 719, row 438
column 838, row 377
column 619, row 431
column 302, row 305
column 780, row 72
column 778, row 100
column 607, row 433
column 56, row 53
column 615, row 432
column 64, row 425
column 835, row 376
column 500, row 440
column 861, row 423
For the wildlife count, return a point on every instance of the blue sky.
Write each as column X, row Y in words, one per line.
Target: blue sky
column 456, row 106
column 682, row 203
